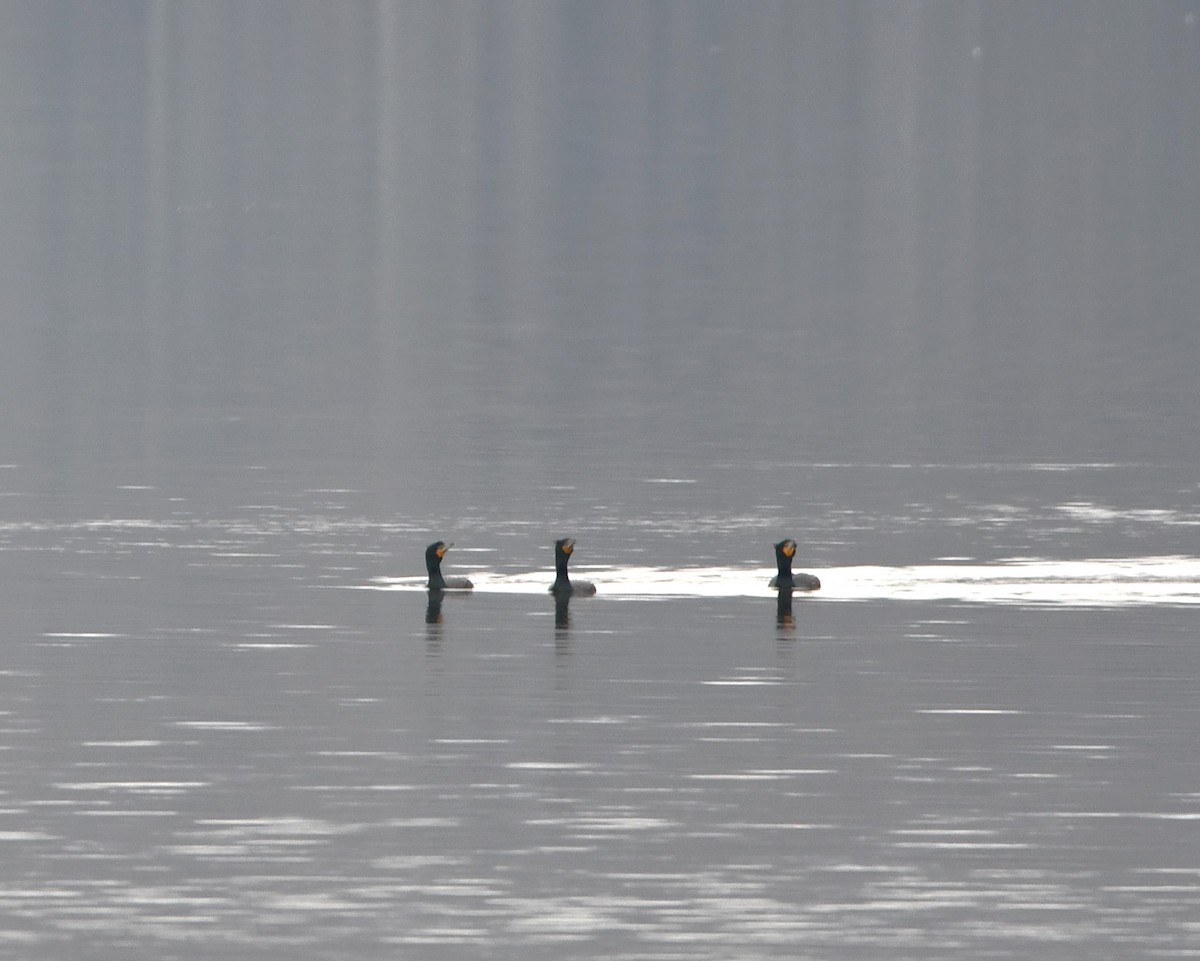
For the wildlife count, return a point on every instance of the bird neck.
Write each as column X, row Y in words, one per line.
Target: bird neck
column 561, row 581
column 434, row 566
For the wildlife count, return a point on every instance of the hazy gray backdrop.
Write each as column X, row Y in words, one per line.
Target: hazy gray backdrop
column 290, row 289
column 390, row 245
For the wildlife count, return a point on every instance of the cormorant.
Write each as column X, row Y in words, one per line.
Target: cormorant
column 433, row 563
column 785, row 550
column 562, row 583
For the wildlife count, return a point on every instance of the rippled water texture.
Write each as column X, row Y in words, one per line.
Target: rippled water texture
column 289, row 291
column 946, row 760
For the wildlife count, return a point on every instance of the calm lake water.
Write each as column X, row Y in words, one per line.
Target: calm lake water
column 292, row 290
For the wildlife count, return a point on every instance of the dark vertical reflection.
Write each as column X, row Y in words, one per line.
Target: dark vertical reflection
column 158, row 309
column 784, row 619
column 562, row 615
column 433, row 607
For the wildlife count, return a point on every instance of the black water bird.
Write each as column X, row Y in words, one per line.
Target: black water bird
column 785, row 550
column 562, row 583
column 433, row 563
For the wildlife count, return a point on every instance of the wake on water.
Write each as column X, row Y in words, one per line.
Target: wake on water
column 1108, row 582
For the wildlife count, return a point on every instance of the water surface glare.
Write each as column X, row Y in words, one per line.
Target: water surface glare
column 1112, row 582
column 293, row 290
column 670, row 776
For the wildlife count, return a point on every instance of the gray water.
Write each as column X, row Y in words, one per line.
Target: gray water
column 291, row 290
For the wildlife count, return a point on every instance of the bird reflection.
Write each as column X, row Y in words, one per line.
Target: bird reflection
column 433, row 623
column 562, row 611
column 433, row 610
column 562, row 622
column 783, row 611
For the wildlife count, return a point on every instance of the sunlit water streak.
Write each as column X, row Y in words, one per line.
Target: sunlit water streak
column 1110, row 582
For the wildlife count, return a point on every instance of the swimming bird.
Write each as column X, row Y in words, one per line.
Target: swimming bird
column 562, row 583
column 433, row 563
column 785, row 550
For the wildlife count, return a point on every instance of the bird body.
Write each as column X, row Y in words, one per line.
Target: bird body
column 785, row 580
column 433, row 564
column 562, row 582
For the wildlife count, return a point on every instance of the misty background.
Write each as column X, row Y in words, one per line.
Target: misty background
column 432, row 249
